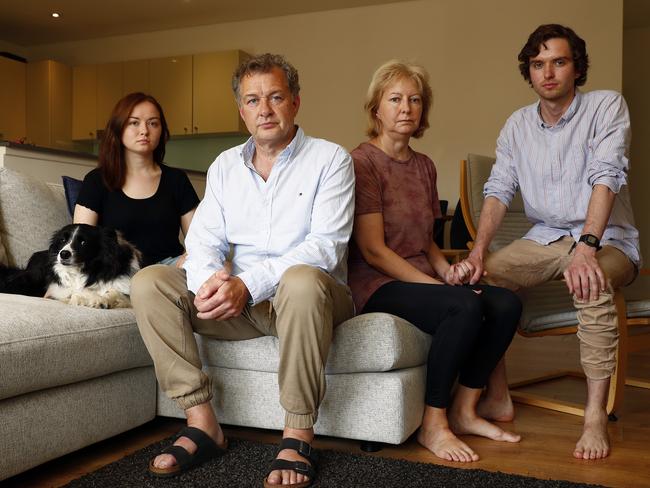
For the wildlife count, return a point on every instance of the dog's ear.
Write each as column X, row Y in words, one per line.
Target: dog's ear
column 108, row 234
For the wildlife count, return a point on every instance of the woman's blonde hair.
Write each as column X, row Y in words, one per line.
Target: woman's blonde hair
column 385, row 75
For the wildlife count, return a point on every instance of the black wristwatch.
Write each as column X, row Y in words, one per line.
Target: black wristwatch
column 591, row 241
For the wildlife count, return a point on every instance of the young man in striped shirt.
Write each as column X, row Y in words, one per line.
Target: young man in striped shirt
column 567, row 154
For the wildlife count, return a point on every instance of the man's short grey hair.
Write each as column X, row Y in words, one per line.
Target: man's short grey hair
column 264, row 63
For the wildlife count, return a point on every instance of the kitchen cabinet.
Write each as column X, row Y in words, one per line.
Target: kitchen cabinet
column 48, row 114
column 12, row 99
column 196, row 94
column 96, row 89
column 135, row 76
column 84, row 102
column 110, row 79
column 214, row 108
column 193, row 90
column 170, row 81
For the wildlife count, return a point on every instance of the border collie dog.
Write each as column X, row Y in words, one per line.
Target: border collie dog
column 84, row 265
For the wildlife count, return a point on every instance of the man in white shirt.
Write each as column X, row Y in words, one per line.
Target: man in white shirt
column 283, row 202
column 568, row 155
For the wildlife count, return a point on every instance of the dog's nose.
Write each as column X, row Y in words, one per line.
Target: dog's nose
column 65, row 254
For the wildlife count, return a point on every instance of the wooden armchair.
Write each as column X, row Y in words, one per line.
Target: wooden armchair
column 548, row 308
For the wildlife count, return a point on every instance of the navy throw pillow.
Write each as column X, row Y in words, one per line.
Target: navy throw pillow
column 71, row 186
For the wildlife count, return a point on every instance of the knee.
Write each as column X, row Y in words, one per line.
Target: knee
column 466, row 304
column 303, row 282
column 146, row 282
column 506, row 304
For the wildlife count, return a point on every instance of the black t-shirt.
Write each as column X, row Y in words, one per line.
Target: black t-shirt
column 151, row 224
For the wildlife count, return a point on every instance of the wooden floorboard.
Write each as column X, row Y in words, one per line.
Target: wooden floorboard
column 544, row 452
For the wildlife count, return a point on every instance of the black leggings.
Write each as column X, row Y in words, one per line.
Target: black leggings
column 471, row 332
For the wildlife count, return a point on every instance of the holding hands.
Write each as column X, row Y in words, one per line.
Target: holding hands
column 468, row 271
column 221, row 297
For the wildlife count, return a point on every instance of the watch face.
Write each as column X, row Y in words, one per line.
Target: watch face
column 590, row 240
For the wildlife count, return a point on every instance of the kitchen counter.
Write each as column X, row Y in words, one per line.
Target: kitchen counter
column 49, row 150
column 49, row 164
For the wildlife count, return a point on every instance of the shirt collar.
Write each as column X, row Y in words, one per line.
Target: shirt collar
column 566, row 117
column 248, row 150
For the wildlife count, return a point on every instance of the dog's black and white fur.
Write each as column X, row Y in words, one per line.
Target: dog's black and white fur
column 84, row 265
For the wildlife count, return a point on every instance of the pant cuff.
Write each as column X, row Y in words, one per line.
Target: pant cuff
column 597, row 373
column 297, row 421
column 197, row 397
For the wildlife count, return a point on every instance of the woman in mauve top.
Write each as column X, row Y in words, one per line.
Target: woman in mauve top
column 396, row 267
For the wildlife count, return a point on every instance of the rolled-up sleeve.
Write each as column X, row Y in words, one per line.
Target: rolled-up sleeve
column 502, row 183
column 608, row 163
column 206, row 242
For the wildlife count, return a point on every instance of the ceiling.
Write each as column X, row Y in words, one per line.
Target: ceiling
column 30, row 22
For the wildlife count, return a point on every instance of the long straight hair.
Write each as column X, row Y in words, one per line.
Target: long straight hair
column 112, row 164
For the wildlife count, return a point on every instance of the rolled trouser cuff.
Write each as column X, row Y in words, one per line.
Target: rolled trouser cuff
column 197, row 397
column 299, row 421
column 598, row 335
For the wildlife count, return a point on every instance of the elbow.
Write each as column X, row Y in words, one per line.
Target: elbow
column 374, row 257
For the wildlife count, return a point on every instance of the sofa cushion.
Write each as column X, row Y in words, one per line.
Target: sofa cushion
column 45, row 343
column 30, row 212
column 72, row 187
column 366, row 343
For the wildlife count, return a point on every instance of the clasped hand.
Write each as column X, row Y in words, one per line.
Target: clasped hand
column 468, row 271
column 221, row 297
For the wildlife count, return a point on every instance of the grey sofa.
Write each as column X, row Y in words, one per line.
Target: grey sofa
column 71, row 376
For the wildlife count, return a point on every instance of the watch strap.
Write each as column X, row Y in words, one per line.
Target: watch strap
column 591, row 241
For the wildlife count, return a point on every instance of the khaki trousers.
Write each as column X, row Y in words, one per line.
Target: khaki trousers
column 525, row 263
column 308, row 304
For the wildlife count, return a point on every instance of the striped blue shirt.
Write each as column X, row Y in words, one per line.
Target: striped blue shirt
column 556, row 167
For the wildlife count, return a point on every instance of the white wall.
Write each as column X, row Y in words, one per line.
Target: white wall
column 468, row 46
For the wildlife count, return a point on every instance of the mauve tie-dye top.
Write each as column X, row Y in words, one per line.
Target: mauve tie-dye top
column 405, row 193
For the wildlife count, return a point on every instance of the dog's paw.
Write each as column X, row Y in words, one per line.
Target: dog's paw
column 116, row 299
column 87, row 300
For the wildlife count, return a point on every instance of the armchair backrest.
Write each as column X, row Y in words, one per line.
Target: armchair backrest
column 474, row 172
column 547, row 306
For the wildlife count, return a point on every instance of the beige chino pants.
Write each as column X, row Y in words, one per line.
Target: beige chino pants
column 525, row 263
column 307, row 307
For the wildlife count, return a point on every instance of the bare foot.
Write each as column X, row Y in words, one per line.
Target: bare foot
column 444, row 444
column 470, row 423
column 594, row 442
column 498, row 409
column 289, row 476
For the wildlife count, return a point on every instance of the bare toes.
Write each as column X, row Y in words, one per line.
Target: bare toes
column 274, row 478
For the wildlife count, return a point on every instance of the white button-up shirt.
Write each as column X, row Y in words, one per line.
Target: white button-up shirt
column 302, row 214
column 556, row 167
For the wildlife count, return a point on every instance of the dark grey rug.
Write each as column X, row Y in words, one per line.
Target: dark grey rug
column 245, row 463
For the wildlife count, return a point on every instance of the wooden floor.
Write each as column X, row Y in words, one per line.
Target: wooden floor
column 544, row 452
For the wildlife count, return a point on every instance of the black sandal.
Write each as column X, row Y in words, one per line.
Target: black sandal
column 300, row 467
column 206, row 449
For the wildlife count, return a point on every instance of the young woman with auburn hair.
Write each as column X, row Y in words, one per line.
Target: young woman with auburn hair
column 131, row 190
